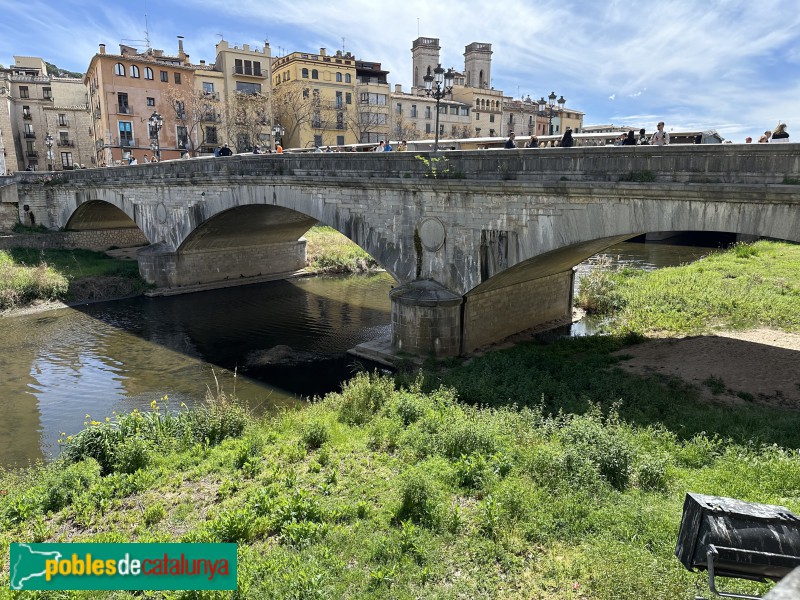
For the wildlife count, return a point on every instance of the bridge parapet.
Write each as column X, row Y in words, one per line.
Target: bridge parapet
column 706, row 163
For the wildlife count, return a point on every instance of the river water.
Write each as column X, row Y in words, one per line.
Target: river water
column 59, row 366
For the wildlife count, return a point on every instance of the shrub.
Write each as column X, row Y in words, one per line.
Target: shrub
column 67, row 484
column 314, row 434
column 153, row 514
column 472, row 471
column 597, row 290
column 384, row 434
column 220, row 418
column 419, row 499
column 131, row 455
column 604, row 445
column 652, row 473
column 362, row 397
column 234, row 525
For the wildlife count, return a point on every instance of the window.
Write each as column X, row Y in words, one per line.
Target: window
column 491, row 118
column 314, row 74
column 443, row 109
column 348, row 98
column 119, row 69
column 211, row 135
column 316, row 120
column 26, row 113
column 348, row 78
column 182, row 135
column 340, row 140
column 47, row 93
column 427, row 114
column 305, row 92
column 122, row 104
column 454, row 110
column 125, row 133
column 414, row 111
column 180, row 109
column 257, row 68
column 151, row 102
column 338, row 78
column 374, row 99
column 29, row 131
column 318, row 140
column 339, row 120
column 148, row 73
column 164, row 77
column 441, row 129
column 208, row 87
column 338, row 99
column 370, row 118
column 248, row 88
column 477, row 132
column 62, row 120
column 464, row 111
column 427, row 127
column 66, row 160
column 63, row 138
column 135, row 71
column 23, row 91
column 177, row 78
column 304, row 73
column 453, row 130
column 477, row 116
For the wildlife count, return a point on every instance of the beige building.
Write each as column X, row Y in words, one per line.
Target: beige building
column 414, row 117
column 323, row 100
column 238, row 91
column 44, row 120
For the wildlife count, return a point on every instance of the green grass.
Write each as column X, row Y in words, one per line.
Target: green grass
column 28, row 274
column 328, row 251
column 749, row 285
column 387, row 491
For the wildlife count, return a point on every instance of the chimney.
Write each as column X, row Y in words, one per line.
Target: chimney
column 202, row 62
column 102, row 48
column 181, row 53
column 398, row 88
column 322, row 52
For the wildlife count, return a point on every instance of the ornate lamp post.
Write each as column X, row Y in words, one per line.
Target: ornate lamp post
column 156, row 122
column 547, row 108
column 444, row 86
column 48, row 140
column 277, row 134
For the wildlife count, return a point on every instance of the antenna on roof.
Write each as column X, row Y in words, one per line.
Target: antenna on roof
column 342, row 45
column 146, row 33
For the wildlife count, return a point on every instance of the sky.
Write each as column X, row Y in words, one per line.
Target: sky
column 729, row 65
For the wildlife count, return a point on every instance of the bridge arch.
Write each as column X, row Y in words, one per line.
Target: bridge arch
column 99, row 214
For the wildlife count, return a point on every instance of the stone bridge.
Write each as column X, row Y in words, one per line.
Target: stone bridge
column 482, row 244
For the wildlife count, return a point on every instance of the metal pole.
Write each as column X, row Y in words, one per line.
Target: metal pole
column 436, row 138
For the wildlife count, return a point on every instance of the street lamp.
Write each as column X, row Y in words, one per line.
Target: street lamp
column 444, row 86
column 48, row 140
column 277, row 134
column 156, row 122
column 547, row 108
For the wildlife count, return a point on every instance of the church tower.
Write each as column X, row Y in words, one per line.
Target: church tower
column 424, row 54
column 478, row 65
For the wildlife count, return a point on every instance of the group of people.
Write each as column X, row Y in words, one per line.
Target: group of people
column 777, row 134
column 659, row 138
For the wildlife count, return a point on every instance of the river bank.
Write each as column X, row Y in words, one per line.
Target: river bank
column 543, row 469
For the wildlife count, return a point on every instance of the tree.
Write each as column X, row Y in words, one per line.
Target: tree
column 246, row 117
column 403, row 130
column 196, row 114
column 294, row 108
column 368, row 119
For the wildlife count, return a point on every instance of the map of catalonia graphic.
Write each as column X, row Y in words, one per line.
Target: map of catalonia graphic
column 29, row 564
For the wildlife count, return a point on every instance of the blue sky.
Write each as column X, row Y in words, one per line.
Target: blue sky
column 729, row 65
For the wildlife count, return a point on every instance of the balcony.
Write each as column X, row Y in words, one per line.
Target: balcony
column 65, row 143
column 210, row 118
column 27, row 116
column 30, row 135
column 31, row 154
column 63, row 123
column 127, row 143
column 213, row 96
column 123, row 109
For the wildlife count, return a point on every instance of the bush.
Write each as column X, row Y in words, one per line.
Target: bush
column 597, row 290
column 234, row 525
column 314, row 434
column 67, row 484
column 472, row 471
column 420, row 499
column 603, row 445
column 131, row 455
column 652, row 473
column 362, row 397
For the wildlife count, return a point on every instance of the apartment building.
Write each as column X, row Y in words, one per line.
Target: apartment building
column 125, row 90
column 323, row 100
column 44, row 119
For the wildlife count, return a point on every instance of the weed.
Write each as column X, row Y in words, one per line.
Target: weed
column 715, row 384
column 231, row 526
column 314, row 434
column 438, row 166
column 153, row 514
column 420, row 500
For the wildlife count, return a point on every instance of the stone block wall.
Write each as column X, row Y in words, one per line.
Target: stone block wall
column 100, row 239
column 494, row 315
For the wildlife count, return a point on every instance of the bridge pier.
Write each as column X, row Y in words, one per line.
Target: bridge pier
column 167, row 268
column 429, row 319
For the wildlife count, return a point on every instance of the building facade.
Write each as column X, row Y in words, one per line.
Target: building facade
column 125, row 90
column 321, row 100
column 44, row 119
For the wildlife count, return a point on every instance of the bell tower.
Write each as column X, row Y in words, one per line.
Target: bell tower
column 424, row 54
column 478, row 65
